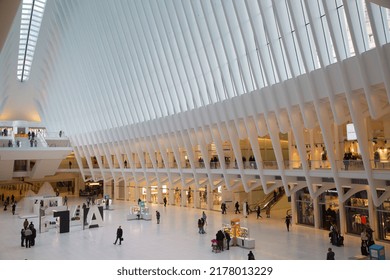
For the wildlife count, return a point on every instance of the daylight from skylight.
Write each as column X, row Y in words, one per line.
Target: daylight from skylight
column 31, row 18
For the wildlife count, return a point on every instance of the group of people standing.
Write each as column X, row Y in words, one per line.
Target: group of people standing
column 28, row 234
column 7, row 201
column 220, row 237
column 33, row 140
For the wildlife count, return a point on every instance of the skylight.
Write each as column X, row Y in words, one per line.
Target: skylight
column 32, row 14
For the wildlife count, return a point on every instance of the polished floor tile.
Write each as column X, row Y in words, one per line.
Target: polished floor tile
column 175, row 238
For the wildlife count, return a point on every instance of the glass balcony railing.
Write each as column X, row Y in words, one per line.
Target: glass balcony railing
column 342, row 165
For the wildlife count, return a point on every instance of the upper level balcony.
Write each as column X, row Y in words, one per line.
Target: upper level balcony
column 24, row 156
column 352, row 169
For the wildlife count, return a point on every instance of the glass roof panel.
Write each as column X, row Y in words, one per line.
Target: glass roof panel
column 32, row 14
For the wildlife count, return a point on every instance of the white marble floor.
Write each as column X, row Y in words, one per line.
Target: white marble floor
column 175, row 238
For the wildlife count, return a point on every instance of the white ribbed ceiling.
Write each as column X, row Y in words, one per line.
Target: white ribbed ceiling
column 102, row 64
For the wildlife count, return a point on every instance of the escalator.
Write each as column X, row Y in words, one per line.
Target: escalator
column 270, row 200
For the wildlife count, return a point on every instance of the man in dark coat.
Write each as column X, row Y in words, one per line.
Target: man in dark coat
column 251, row 256
column 165, row 201
column 288, row 222
column 13, row 208
column 22, row 237
column 33, row 234
column 330, row 254
column 119, row 234
column 158, row 217
column 258, row 211
column 223, row 207
column 237, row 205
column 220, row 237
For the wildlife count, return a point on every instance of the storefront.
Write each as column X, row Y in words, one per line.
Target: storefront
column 203, row 197
column 217, row 197
column 177, row 195
column 165, row 193
column 356, row 211
column 154, row 194
column 383, row 214
column 190, row 197
column 143, row 195
column 329, row 209
column 305, row 213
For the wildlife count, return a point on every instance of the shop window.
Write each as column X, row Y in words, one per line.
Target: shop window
column 356, row 210
column 329, row 209
column 383, row 216
column 305, row 210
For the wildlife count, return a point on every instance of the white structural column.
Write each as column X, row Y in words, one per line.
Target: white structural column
column 316, row 211
column 159, row 194
column 171, row 195
column 210, row 198
column 196, row 198
column 184, row 198
column 372, row 214
column 116, row 189
column 137, row 193
column 148, row 194
column 108, row 188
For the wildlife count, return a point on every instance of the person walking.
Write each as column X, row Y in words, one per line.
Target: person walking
column 13, row 208
column 237, row 205
column 158, row 217
column 165, row 201
column 204, row 217
column 119, row 234
column 223, row 207
column 248, row 210
column 288, row 222
column 258, row 210
column 251, row 256
column 330, row 254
